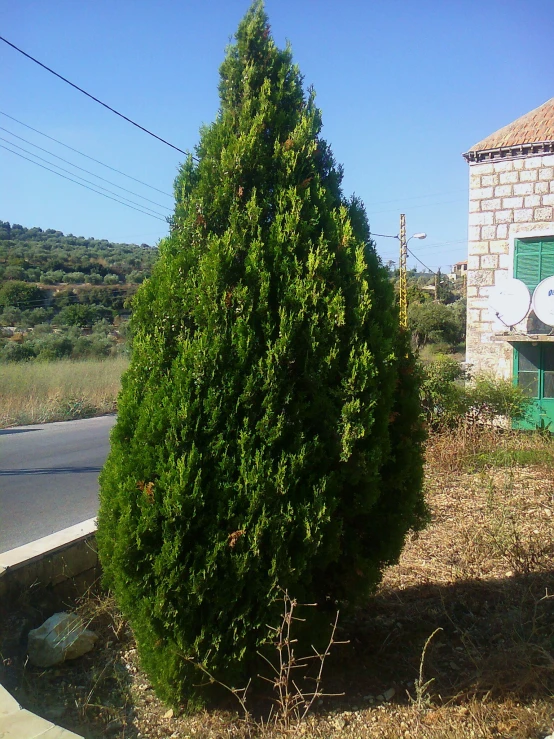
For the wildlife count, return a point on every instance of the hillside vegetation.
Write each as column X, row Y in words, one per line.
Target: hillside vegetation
column 65, row 296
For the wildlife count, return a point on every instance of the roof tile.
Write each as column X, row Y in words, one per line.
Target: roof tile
column 533, row 127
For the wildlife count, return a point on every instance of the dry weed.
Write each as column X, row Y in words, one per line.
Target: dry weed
column 40, row 392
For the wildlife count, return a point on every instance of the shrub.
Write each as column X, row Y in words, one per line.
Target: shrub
column 111, row 279
column 450, row 396
column 21, row 295
column 268, row 428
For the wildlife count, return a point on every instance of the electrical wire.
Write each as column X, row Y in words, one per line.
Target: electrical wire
column 51, row 153
column 42, row 159
column 419, row 260
column 80, row 89
column 85, row 186
column 92, row 159
column 72, row 296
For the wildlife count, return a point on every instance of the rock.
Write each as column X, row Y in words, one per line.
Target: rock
column 388, row 694
column 63, row 636
column 169, row 714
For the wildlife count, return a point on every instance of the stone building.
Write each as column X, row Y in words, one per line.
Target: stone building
column 511, row 234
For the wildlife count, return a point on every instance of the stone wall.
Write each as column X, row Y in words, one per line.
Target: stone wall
column 508, row 199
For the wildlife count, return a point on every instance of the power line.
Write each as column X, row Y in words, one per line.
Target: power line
column 51, row 153
column 61, row 143
column 72, row 296
column 85, row 186
column 96, row 100
column 42, row 159
column 419, row 260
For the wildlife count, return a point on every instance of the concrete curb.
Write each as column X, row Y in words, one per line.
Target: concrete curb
column 51, row 561
column 17, row 723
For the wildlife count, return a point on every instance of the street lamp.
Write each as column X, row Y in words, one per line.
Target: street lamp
column 403, row 269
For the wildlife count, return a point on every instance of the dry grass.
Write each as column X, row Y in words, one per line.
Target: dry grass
column 39, row 392
column 481, row 576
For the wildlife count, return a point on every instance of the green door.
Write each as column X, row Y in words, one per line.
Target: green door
column 534, row 372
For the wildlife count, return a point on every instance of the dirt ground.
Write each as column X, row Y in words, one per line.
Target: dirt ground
column 457, row 642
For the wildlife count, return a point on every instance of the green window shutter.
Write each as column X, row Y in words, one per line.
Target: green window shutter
column 527, row 263
column 547, row 259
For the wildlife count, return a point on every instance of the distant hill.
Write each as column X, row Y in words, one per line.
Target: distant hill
column 51, row 257
column 64, row 295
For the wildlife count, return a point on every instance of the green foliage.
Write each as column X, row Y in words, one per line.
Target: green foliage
column 434, row 322
column 268, row 428
column 21, row 295
column 490, row 397
column 451, row 397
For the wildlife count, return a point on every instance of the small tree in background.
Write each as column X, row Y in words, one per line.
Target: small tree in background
column 268, row 431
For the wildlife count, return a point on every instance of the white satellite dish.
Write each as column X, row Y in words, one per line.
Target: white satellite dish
column 543, row 301
column 510, row 301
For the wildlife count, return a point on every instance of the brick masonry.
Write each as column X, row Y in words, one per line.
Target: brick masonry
column 508, row 199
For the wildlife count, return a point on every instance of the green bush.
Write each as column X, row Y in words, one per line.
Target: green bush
column 450, row 396
column 21, row 295
column 268, row 428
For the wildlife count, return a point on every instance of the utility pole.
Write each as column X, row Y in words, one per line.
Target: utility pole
column 403, row 273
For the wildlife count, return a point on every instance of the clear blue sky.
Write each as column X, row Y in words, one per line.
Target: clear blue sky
column 405, row 87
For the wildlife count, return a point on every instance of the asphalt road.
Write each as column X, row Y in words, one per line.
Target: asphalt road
column 49, row 477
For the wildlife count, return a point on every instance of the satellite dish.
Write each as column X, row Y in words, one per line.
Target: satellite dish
column 510, row 301
column 543, row 301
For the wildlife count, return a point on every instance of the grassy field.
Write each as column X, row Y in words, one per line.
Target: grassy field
column 38, row 392
column 457, row 642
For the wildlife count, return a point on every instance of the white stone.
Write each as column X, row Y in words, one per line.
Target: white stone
column 523, row 188
column 548, row 160
column 541, row 187
column 479, row 247
column 502, row 231
column 546, row 174
column 489, row 179
column 548, row 199
column 507, row 178
column 484, row 168
column 62, row 636
column 542, row 214
column 533, row 162
column 473, row 261
column 503, row 191
column 506, row 166
column 475, row 205
column 532, row 201
column 388, row 694
column 474, row 233
column 504, row 216
column 488, row 232
column 492, row 204
column 512, row 203
column 525, row 214
column 529, row 175
column 489, row 261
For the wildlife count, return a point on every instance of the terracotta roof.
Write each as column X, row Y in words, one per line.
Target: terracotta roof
column 533, row 132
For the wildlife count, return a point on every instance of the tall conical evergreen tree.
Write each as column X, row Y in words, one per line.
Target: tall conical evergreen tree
column 268, row 432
